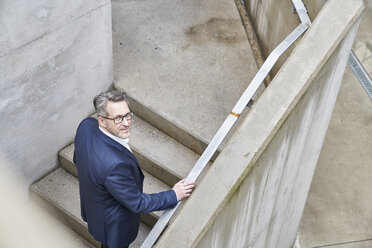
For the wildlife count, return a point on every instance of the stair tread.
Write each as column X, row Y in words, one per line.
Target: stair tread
column 62, row 190
column 188, row 66
column 155, row 145
column 161, row 148
column 44, row 222
column 60, row 183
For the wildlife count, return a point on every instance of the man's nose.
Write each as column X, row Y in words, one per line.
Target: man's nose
column 125, row 122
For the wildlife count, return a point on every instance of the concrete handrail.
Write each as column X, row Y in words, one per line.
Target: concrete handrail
column 233, row 116
column 334, row 30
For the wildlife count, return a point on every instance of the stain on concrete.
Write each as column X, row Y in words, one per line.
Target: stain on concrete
column 227, row 31
column 42, row 13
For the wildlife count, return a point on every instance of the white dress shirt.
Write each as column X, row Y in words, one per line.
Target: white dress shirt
column 123, row 142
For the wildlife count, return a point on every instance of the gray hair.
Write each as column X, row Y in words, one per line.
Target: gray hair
column 100, row 101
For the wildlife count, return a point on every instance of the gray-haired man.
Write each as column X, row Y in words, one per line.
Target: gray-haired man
column 110, row 178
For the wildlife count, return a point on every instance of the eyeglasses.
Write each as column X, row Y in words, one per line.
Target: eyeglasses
column 119, row 119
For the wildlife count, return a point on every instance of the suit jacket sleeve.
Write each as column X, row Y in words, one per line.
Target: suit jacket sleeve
column 122, row 186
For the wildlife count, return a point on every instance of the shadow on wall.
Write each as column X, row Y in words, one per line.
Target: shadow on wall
column 27, row 225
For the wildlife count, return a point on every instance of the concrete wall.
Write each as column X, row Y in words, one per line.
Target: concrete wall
column 338, row 209
column 54, row 57
column 273, row 20
column 255, row 191
column 265, row 211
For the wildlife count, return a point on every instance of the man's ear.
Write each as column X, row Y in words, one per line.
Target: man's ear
column 101, row 122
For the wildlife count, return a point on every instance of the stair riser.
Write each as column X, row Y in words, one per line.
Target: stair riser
column 75, row 224
column 163, row 174
column 67, row 164
column 193, row 143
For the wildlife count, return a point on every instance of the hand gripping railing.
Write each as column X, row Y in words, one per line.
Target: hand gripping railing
column 233, row 116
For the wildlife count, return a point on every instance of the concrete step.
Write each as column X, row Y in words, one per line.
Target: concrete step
column 185, row 69
column 58, row 192
column 28, row 224
column 156, row 152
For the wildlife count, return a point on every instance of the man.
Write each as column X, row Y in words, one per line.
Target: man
column 109, row 175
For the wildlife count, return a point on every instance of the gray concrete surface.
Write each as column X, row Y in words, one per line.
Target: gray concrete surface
column 266, row 209
column 338, row 209
column 23, row 23
column 296, row 109
column 54, row 57
column 60, row 192
column 47, row 224
column 274, row 20
column 187, row 50
column 356, row 244
column 28, row 225
column 167, row 156
column 187, row 61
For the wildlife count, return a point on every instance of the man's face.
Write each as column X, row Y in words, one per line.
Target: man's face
column 115, row 109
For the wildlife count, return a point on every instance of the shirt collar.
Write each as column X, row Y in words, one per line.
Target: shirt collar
column 123, row 142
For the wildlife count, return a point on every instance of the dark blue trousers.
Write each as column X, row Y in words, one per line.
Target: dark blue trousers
column 105, row 246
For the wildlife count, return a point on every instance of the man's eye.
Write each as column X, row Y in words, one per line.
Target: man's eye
column 118, row 118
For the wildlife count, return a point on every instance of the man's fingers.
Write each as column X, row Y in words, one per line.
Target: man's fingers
column 189, row 187
column 183, row 189
column 188, row 184
column 181, row 181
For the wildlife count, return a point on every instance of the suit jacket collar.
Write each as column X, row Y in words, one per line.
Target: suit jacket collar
column 113, row 143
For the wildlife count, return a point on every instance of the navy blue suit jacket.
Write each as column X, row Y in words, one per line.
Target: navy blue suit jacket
column 111, row 182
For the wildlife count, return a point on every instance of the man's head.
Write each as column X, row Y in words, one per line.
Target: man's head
column 113, row 113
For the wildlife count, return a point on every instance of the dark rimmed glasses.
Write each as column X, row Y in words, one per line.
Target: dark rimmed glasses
column 119, row 119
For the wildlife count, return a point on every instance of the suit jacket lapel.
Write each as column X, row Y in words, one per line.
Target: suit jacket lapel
column 131, row 155
column 118, row 146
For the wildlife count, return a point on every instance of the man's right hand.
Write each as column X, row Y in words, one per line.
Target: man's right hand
column 183, row 190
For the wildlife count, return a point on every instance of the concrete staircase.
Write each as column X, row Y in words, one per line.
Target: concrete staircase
column 163, row 160
column 183, row 64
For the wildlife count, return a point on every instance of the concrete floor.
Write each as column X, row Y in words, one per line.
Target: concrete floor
column 194, row 50
column 338, row 211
